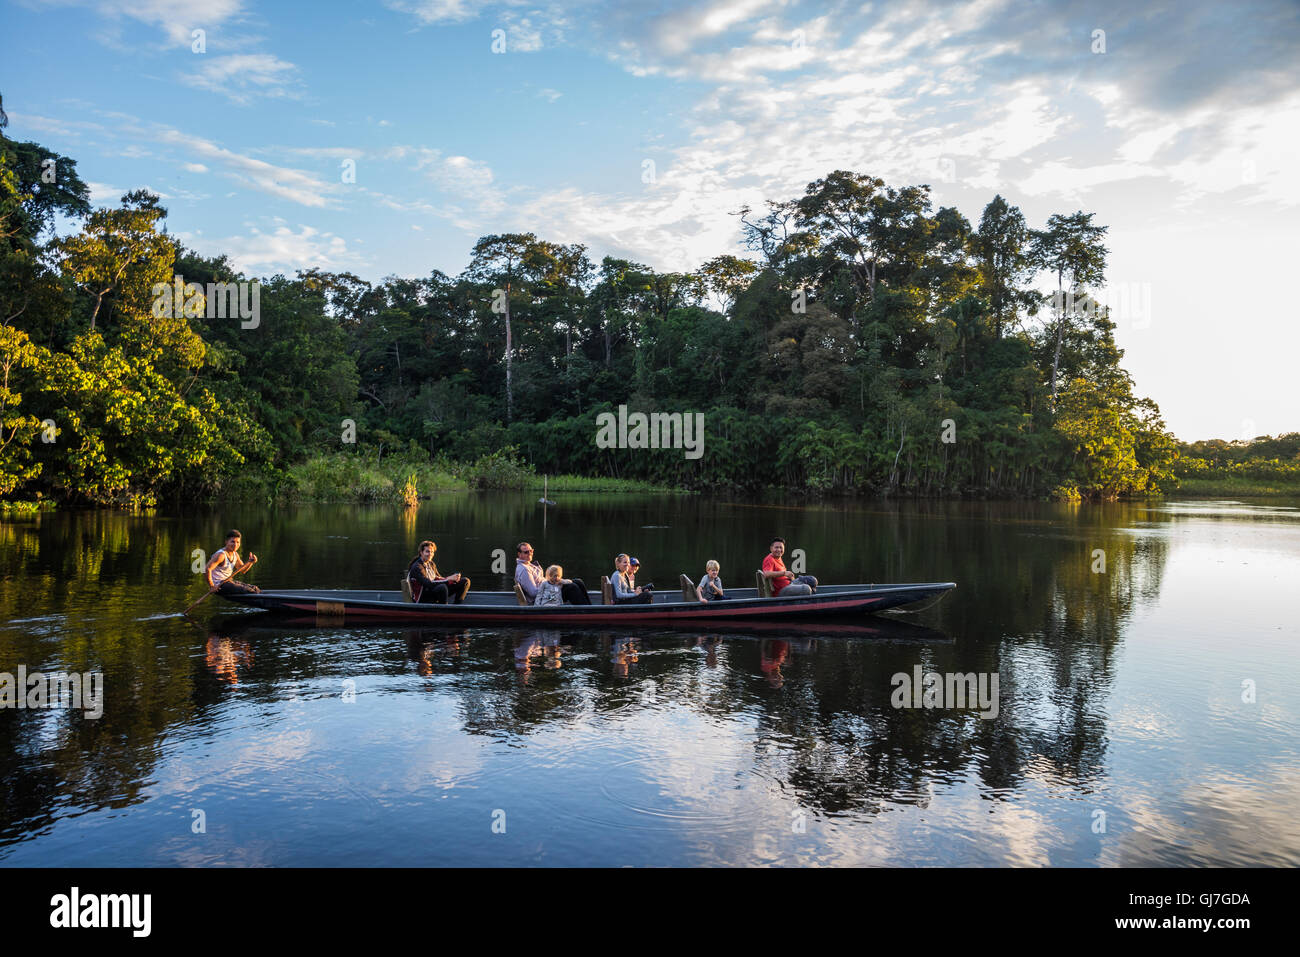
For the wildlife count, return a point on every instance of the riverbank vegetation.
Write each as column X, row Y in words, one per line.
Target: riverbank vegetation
column 1266, row 465
column 408, row 477
column 870, row 344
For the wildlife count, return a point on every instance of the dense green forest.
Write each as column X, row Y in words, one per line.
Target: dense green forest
column 870, row 344
column 1265, row 465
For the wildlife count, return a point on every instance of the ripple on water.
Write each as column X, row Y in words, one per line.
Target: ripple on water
column 704, row 815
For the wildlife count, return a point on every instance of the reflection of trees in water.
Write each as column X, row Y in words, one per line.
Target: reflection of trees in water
column 77, row 577
column 1035, row 611
column 1032, row 611
column 1029, row 607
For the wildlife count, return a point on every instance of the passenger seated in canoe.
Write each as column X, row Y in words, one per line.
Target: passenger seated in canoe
column 551, row 590
column 710, row 586
column 430, row 588
column 529, row 577
column 633, row 566
column 783, row 584
column 224, row 565
column 625, row 593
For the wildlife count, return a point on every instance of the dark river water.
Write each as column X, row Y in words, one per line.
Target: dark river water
column 1148, row 693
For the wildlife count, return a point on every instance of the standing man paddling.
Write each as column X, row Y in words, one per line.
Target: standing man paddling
column 224, row 565
column 783, row 585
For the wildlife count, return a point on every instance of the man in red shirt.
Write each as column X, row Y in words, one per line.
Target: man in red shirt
column 782, row 583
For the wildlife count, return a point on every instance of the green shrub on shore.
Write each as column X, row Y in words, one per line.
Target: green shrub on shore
column 1066, row 492
column 410, row 492
column 26, row 508
column 502, row 469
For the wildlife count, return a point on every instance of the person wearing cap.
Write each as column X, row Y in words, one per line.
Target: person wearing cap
column 633, row 566
column 625, row 593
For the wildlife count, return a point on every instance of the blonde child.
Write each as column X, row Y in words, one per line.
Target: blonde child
column 551, row 590
column 710, row 586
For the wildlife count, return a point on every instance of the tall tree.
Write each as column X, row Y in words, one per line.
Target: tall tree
column 1003, row 253
column 496, row 261
column 727, row 276
column 1071, row 247
column 840, row 210
column 120, row 249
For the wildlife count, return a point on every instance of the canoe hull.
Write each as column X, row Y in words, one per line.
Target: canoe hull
column 501, row 608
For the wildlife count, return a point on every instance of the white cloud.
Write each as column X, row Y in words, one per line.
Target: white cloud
column 243, row 77
column 522, row 36
column 102, row 194
column 438, row 11
column 280, row 250
column 457, row 173
column 287, row 183
column 176, row 18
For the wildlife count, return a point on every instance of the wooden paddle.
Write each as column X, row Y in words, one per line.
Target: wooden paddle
column 210, row 593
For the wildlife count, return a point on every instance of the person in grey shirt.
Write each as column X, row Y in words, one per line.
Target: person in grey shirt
column 710, row 586
column 625, row 593
column 529, row 576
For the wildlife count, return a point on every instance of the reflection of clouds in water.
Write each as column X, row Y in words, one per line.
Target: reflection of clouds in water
column 689, row 778
column 191, row 771
column 444, row 760
column 1227, row 509
column 1226, row 820
column 733, row 806
column 1143, row 723
column 213, row 848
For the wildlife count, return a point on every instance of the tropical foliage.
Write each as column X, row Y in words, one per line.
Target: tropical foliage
column 872, row 344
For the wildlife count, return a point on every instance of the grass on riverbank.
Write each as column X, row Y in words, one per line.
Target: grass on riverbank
column 1236, row 485
column 344, row 477
column 586, row 483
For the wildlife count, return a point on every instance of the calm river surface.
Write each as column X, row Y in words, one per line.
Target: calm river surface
column 1147, row 713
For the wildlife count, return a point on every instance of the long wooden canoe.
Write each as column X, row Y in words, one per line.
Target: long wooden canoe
column 503, row 608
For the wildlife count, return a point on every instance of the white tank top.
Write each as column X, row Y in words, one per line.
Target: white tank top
column 223, row 570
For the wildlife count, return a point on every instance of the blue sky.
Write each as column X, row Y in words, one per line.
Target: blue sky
column 1181, row 135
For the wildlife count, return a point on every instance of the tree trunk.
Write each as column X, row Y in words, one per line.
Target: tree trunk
column 510, row 395
column 893, row 475
column 1060, row 334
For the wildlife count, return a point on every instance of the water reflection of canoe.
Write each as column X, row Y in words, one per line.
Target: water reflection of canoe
column 879, row 627
column 503, row 608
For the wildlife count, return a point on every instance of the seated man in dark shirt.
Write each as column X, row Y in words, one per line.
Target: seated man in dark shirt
column 430, row 588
